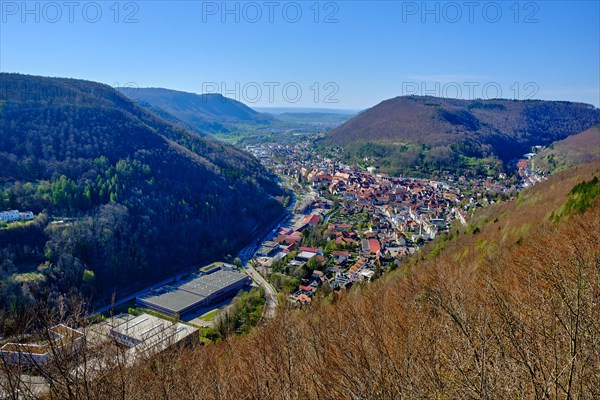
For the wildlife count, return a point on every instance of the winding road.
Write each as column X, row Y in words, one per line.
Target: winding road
column 247, row 253
column 270, row 293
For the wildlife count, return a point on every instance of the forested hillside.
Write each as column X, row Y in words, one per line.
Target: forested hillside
column 574, row 150
column 122, row 197
column 212, row 113
column 423, row 134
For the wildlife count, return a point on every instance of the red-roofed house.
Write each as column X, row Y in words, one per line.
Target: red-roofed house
column 341, row 255
column 292, row 239
column 310, row 289
column 290, row 248
column 312, row 220
column 284, row 231
column 303, row 299
column 374, row 246
column 317, row 274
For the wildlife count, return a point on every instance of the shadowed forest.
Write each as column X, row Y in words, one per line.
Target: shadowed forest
column 122, row 198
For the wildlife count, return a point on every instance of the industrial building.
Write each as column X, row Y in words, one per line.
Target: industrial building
column 195, row 293
column 148, row 334
column 62, row 338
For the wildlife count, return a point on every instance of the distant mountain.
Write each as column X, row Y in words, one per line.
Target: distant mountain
column 179, row 122
column 424, row 134
column 314, row 118
column 305, row 110
column 212, row 113
column 574, row 150
column 141, row 197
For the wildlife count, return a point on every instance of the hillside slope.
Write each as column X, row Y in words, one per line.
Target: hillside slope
column 211, row 113
column 421, row 133
column 574, row 150
column 141, row 197
column 508, row 312
column 506, row 308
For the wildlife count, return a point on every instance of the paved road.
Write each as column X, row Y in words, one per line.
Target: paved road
column 247, row 253
column 270, row 293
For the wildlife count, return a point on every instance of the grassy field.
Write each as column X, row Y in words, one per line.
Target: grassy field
column 29, row 277
column 209, row 316
column 16, row 224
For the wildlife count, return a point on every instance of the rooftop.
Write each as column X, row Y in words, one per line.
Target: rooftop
column 171, row 298
column 146, row 334
column 179, row 297
column 62, row 335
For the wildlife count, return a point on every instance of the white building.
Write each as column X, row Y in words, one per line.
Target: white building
column 10, row 216
column 15, row 215
column 62, row 337
column 26, row 215
column 147, row 334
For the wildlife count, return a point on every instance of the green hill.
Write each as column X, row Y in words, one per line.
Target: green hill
column 138, row 197
column 212, row 113
column 421, row 134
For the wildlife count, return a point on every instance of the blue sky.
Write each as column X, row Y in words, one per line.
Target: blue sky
column 344, row 54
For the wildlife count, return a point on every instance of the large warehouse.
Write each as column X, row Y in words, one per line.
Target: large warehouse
column 149, row 332
column 192, row 294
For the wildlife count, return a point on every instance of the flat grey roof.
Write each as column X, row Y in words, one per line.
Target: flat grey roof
column 183, row 295
column 306, row 254
column 171, row 298
column 208, row 284
column 151, row 330
column 141, row 327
